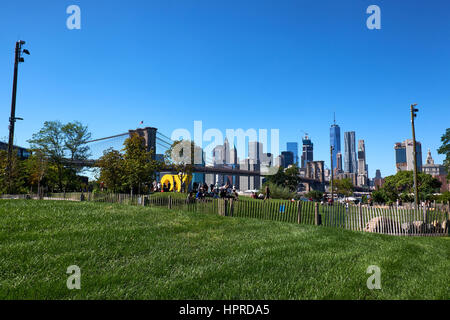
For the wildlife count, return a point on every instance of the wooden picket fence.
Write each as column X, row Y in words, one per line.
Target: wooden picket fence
column 392, row 221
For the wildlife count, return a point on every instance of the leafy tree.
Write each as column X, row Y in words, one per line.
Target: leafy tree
column 445, row 150
column 403, row 183
column 278, row 178
column 379, row 196
column 406, row 197
column 445, row 197
column 17, row 182
column 76, row 136
column 343, row 187
column 292, row 177
column 112, row 169
column 50, row 140
column 59, row 142
column 182, row 157
column 37, row 168
column 315, row 195
column 139, row 167
column 286, row 178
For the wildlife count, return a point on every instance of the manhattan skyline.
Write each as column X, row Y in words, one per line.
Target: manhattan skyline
column 233, row 65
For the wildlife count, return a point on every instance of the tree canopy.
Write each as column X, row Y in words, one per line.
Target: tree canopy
column 131, row 170
column 286, row 178
column 401, row 186
column 58, row 142
column 445, row 150
column 343, row 187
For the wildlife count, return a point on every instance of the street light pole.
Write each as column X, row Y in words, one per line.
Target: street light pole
column 12, row 119
column 332, row 174
column 416, row 188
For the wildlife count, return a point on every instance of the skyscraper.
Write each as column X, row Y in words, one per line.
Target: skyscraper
column 362, row 166
column 338, row 168
column 350, row 161
column 307, row 152
column 293, row 147
column 288, row 158
column 404, row 159
column 378, row 174
column 255, row 150
column 335, row 141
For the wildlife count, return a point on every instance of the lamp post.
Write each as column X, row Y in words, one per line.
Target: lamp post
column 12, row 119
column 416, row 189
column 332, row 174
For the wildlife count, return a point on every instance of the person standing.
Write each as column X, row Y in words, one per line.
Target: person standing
column 267, row 192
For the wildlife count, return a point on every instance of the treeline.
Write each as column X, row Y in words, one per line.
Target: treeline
column 400, row 187
column 131, row 171
column 54, row 164
column 47, row 170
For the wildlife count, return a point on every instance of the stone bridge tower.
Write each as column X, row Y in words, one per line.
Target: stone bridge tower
column 149, row 134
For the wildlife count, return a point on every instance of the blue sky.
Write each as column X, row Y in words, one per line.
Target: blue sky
column 234, row 64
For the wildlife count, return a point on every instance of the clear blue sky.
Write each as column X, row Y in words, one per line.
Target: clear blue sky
column 234, row 64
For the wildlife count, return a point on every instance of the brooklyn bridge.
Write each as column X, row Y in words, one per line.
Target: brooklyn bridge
column 160, row 143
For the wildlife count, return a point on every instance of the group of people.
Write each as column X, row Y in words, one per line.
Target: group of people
column 202, row 191
column 158, row 187
column 264, row 196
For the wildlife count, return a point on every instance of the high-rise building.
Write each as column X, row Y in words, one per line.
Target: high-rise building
column 378, row 174
column 288, row 158
column 278, row 161
column 350, row 161
column 404, row 158
column 255, row 151
column 335, row 142
column 338, row 168
column 307, row 151
column 293, row 147
column 363, row 178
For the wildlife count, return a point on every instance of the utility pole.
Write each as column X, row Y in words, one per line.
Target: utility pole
column 12, row 119
column 332, row 174
column 416, row 188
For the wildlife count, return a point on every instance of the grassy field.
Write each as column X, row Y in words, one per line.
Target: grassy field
column 127, row 252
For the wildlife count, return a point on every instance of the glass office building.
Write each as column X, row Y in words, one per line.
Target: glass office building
column 293, row 147
column 335, row 142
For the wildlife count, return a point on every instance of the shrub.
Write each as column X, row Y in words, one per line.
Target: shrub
column 278, row 192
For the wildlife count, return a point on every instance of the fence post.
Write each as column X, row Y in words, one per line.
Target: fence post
column 170, row 202
column 361, row 217
column 225, row 213
column 447, row 218
column 299, row 212
column 316, row 214
column 424, row 214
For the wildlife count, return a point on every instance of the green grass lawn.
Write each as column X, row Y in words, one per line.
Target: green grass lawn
column 127, row 252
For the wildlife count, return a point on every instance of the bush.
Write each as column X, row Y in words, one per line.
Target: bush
column 444, row 198
column 379, row 196
column 278, row 192
column 314, row 195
